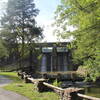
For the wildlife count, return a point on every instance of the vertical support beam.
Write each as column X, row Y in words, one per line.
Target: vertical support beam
column 51, row 64
column 54, row 58
column 65, row 62
column 59, row 69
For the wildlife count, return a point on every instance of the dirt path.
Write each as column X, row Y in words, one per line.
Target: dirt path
column 8, row 95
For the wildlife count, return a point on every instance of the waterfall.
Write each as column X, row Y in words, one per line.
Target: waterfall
column 65, row 63
column 51, row 65
column 43, row 64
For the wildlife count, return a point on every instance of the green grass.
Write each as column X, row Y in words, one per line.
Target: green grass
column 27, row 90
column 12, row 75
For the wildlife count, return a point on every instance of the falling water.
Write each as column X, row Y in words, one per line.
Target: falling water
column 43, row 64
column 65, row 63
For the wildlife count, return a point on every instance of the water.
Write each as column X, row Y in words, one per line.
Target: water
column 43, row 66
column 90, row 88
column 93, row 91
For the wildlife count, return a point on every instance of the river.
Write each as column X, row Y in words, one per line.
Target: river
column 93, row 91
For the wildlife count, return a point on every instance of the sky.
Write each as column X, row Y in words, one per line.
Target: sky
column 46, row 17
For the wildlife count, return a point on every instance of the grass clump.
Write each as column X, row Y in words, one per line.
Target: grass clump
column 56, row 83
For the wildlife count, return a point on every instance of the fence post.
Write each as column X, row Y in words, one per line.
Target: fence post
column 41, row 87
column 71, row 94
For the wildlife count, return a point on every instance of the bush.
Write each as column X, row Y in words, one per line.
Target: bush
column 56, row 83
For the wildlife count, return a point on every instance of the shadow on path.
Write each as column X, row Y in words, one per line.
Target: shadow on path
column 4, row 81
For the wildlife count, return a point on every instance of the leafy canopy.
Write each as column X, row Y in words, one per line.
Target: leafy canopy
column 84, row 16
column 19, row 26
column 3, row 49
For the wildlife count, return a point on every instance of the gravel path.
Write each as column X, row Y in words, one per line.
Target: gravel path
column 8, row 95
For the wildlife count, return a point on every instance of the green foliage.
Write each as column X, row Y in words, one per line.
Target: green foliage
column 19, row 18
column 3, row 50
column 56, row 83
column 19, row 28
column 84, row 16
column 39, row 57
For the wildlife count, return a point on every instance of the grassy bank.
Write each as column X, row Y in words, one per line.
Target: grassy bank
column 27, row 90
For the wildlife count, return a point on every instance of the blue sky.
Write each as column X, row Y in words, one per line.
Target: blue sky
column 46, row 17
column 47, row 8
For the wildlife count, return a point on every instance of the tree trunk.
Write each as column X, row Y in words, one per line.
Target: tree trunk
column 31, row 59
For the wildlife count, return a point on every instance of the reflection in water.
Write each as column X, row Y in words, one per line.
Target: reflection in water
column 93, row 91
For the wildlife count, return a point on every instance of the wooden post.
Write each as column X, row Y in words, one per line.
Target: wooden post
column 39, row 86
column 26, row 80
column 21, row 75
column 71, row 94
column 42, row 88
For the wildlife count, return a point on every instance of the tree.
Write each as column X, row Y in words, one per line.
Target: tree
column 84, row 16
column 11, row 44
column 3, row 50
column 19, row 18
